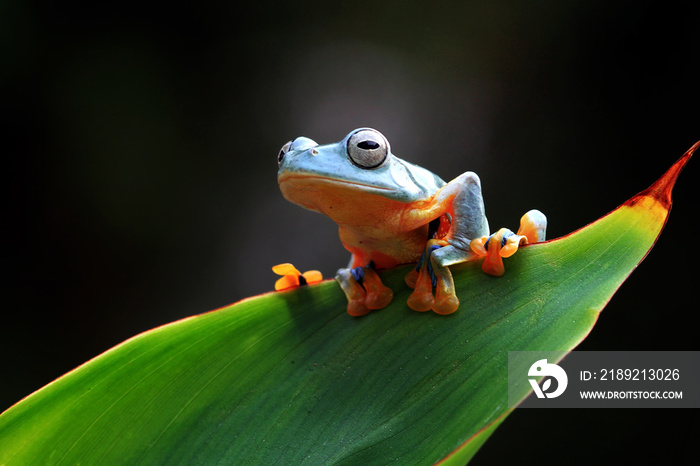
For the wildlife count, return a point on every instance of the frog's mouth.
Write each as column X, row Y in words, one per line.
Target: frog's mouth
column 330, row 196
column 313, row 180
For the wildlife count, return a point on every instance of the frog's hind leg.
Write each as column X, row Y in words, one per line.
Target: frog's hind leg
column 422, row 279
column 354, row 291
column 364, row 290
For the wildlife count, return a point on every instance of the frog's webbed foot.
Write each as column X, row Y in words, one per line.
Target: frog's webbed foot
column 505, row 243
column 292, row 278
column 364, row 290
column 432, row 272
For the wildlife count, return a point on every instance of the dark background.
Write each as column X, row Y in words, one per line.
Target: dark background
column 140, row 147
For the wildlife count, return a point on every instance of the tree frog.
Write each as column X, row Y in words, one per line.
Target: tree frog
column 391, row 212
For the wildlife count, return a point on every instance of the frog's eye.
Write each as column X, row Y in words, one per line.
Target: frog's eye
column 368, row 148
column 283, row 150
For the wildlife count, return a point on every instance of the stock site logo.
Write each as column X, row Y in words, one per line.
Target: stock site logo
column 543, row 369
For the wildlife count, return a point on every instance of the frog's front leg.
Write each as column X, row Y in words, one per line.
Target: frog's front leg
column 504, row 243
column 460, row 204
column 463, row 201
column 364, row 289
column 429, row 274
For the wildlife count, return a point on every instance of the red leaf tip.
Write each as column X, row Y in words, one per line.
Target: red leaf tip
column 661, row 189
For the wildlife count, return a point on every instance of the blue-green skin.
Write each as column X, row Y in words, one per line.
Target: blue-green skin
column 315, row 177
column 396, row 179
column 383, row 212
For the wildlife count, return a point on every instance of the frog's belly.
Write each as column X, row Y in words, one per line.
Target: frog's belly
column 383, row 249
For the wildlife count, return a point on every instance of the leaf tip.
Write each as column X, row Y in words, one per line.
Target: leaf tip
column 662, row 188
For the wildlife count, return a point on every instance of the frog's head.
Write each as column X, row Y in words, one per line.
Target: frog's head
column 362, row 151
column 360, row 168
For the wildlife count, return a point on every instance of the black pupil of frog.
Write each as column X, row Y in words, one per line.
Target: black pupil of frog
column 368, row 145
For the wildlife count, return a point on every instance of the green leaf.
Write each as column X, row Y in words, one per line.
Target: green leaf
column 290, row 378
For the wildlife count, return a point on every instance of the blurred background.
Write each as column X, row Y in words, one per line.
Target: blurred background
column 142, row 142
